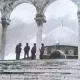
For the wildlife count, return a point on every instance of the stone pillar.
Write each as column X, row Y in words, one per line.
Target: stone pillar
column 3, row 37
column 78, row 13
column 40, row 19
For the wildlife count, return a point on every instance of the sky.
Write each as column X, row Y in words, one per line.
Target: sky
column 60, row 8
column 26, row 12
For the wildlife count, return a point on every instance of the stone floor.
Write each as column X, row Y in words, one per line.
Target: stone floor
column 40, row 70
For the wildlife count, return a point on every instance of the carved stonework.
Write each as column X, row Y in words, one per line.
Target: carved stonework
column 76, row 1
column 5, row 13
column 4, row 17
column 9, row 5
column 5, row 22
column 40, row 5
column 78, row 13
column 40, row 19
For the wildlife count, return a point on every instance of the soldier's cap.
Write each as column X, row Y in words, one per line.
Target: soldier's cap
column 19, row 43
column 42, row 44
column 34, row 43
column 26, row 43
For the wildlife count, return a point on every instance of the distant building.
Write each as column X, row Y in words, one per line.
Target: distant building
column 62, row 39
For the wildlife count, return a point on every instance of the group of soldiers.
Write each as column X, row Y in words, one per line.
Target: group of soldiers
column 27, row 49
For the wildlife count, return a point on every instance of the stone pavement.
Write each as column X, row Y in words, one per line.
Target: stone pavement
column 40, row 70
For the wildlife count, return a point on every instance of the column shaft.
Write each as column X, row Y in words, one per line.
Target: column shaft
column 39, row 41
column 3, row 43
column 40, row 19
column 5, row 23
column 79, row 41
column 78, row 13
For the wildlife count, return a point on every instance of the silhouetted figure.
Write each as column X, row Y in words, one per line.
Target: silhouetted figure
column 42, row 51
column 33, row 51
column 26, row 50
column 18, row 51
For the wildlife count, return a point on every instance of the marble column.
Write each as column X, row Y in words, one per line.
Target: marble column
column 3, row 37
column 78, row 13
column 40, row 19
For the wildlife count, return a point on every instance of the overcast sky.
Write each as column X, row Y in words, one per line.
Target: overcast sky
column 59, row 8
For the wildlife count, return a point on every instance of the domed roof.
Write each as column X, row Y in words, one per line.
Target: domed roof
column 62, row 36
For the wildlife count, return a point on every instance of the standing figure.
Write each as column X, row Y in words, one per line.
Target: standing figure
column 18, row 51
column 42, row 51
column 33, row 51
column 26, row 50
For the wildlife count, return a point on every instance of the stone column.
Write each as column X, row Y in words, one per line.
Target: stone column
column 3, row 37
column 40, row 19
column 78, row 13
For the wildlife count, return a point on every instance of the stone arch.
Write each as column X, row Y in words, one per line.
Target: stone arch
column 8, row 50
column 40, row 6
column 76, row 2
column 49, row 2
column 53, row 13
column 15, row 4
column 28, row 9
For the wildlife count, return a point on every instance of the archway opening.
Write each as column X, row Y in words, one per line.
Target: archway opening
column 61, row 19
column 58, row 55
column 61, row 10
column 21, row 28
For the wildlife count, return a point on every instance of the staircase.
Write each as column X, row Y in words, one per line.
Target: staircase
column 40, row 70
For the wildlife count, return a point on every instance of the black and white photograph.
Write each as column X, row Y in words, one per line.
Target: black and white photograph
column 39, row 39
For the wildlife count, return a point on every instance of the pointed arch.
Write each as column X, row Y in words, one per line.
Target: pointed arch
column 17, row 3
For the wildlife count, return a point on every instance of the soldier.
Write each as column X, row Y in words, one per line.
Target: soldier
column 42, row 51
column 33, row 51
column 26, row 50
column 18, row 51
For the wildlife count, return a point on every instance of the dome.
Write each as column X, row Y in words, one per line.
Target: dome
column 61, row 36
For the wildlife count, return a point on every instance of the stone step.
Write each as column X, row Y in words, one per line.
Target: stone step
column 42, row 64
column 40, row 76
column 40, row 70
column 46, row 62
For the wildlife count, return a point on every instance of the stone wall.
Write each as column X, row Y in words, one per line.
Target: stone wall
column 70, row 51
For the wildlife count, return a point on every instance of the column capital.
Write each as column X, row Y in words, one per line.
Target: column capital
column 78, row 5
column 40, row 19
column 5, row 21
column 78, row 14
